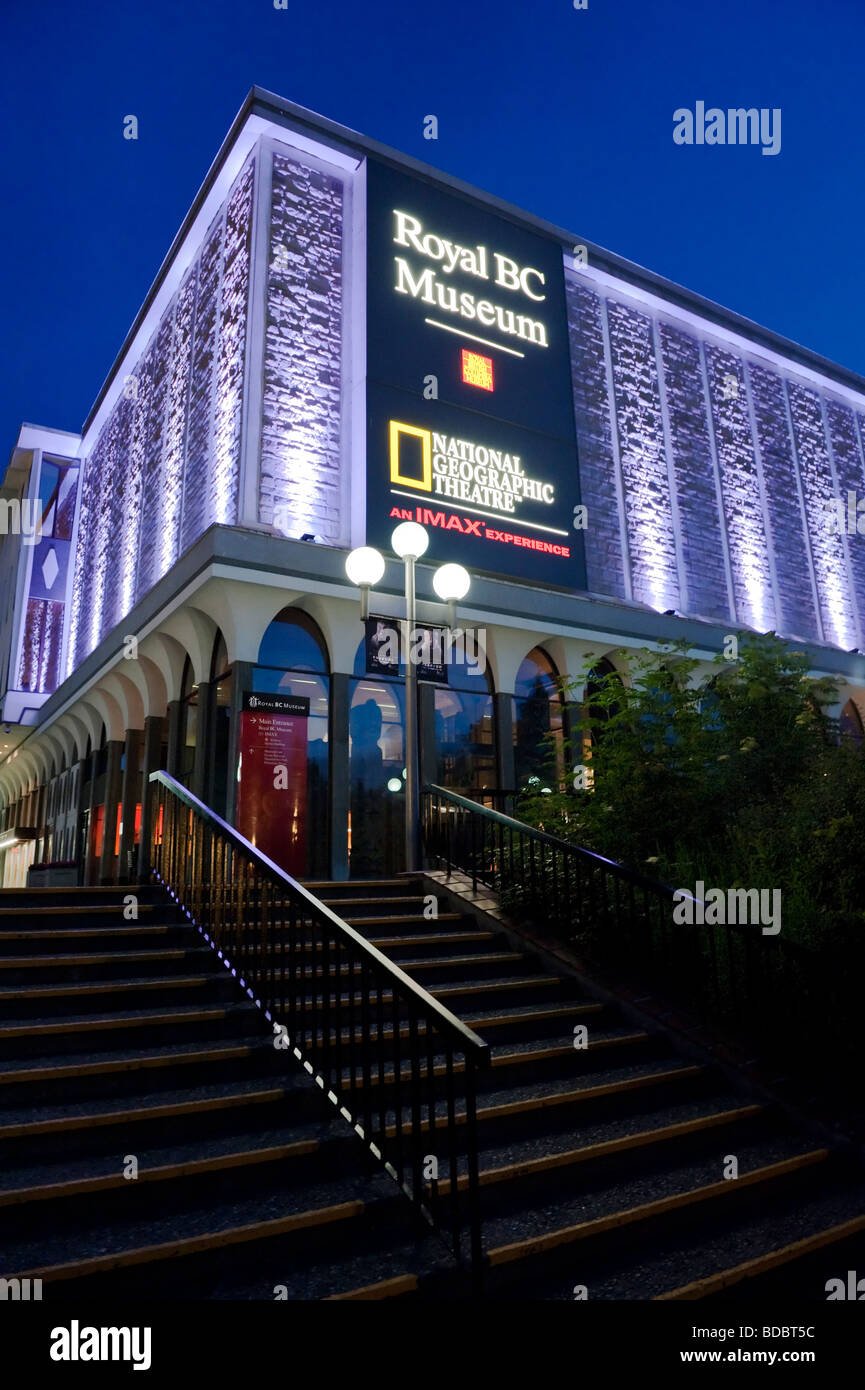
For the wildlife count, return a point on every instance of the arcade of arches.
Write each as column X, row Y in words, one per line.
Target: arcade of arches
column 342, row 748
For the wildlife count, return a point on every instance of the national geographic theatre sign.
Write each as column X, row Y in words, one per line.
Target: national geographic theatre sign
column 470, row 411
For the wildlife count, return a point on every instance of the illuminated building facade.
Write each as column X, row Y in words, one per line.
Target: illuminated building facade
column 339, row 338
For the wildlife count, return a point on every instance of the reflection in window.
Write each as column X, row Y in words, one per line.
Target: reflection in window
column 537, row 717
column 464, row 730
column 376, row 756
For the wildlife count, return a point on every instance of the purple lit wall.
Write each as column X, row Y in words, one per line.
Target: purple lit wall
column 166, row 463
column 300, row 482
column 707, row 468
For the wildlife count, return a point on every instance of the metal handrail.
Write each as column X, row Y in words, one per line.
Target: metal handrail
column 389, row 1056
column 544, row 837
column 622, row 917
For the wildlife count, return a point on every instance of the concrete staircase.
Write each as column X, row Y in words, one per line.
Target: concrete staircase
column 125, row 1046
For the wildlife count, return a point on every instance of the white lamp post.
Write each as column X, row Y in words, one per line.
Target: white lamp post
column 410, row 541
column 365, row 567
column 451, row 583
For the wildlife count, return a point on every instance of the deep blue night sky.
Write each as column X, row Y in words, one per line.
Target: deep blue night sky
column 565, row 113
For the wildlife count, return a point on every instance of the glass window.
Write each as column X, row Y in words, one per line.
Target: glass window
column 537, row 717
column 293, row 642
column 464, row 728
column 376, row 758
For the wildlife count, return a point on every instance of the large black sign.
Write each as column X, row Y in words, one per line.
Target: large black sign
column 469, row 398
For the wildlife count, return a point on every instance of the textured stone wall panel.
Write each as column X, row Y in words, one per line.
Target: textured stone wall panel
column 222, row 492
column 651, row 543
column 39, row 662
column 851, row 478
column 174, row 453
column 605, row 566
column 301, row 486
column 198, row 472
column 696, row 492
column 152, row 480
column 797, row 616
column 166, row 464
column 827, row 548
column 740, row 489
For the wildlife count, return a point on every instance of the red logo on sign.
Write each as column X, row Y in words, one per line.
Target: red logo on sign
column 477, row 370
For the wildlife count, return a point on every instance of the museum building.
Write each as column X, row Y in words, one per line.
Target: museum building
column 340, row 339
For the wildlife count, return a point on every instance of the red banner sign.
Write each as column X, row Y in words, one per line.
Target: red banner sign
column 271, row 794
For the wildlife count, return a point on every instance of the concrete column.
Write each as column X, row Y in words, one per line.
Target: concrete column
column 113, row 791
column 91, row 803
column 151, row 760
column 503, row 723
column 76, row 810
column 339, row 799
column 130, row 795
column 573, row 753
column 40, row 820
column 172, row 757
column 201, row 771
column 242, row 680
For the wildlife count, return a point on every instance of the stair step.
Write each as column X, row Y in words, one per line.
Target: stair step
column 770, row 1262
column 34, row 914
column 273, row 1222
column 21, row 996
column 140, row 1114
column 594, row 1153
column 532, row 1246
column 198, row 1244
column 361, row 924
column 107, row 1065
column 34, row 1028
column 106, row 934
column 167, row 1172
column 385, row 943
column 85, row 958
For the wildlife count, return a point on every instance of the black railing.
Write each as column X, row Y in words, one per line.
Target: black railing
column 497, row 799
column 396, row 1064
column 639, row 925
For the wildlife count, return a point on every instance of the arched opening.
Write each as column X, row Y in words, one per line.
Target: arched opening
column 376, row 757
column 464, row 724
column 851, row 724
column 188, row 726
column 538, row 721
column 95, row 815
column 599, row 706
column 283, row 770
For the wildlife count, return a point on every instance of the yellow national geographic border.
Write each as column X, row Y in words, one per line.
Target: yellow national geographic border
column 424, row 484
